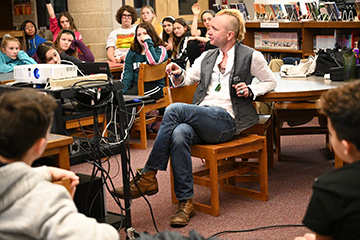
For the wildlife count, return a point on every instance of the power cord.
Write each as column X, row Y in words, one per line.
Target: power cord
column 254, row 229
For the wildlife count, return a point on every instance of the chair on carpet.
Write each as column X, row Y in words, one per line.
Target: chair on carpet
column 221, row 166
column 64, row 182
column 148, row 73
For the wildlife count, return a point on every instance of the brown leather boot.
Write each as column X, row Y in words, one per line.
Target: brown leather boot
column 182, row 216
column 147, row 183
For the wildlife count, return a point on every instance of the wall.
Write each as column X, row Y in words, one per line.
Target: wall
column 94, row 20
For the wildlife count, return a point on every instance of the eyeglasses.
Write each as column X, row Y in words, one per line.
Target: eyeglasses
column 127, row 16
column 29, row 27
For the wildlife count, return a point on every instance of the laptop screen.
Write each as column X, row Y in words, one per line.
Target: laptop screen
column 88, row 68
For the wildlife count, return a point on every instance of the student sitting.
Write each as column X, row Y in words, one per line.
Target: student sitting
column 47, row 53
column 199, row 40
column 148, row 15
column 167, row 34
column 33, row 40
column 66, row 42
column 66, row 21
column 334, row 209
column 11, row 55
column 119, row 40
column 31, row 206
column 147, row 48
column 181, row 37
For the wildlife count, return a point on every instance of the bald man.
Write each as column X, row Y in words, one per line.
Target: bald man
column 222, row 107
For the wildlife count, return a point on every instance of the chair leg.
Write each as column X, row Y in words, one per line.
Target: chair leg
column 214, row 187
column 142, row 131
column 270, row 145
column 263, row 174
column 277, row 136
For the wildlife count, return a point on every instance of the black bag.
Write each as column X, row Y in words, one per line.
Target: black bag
column 327, row 59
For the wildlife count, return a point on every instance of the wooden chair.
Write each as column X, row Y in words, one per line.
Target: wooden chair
column 148, row 73
column 64, row 182
column 264, row 127
column 221, row 165
column 284, row 110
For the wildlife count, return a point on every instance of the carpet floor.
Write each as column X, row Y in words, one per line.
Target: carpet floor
column 303, row 159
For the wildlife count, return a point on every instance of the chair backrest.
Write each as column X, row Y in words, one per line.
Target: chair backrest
column 150, row 73
column 179, row 94
column 66, row 183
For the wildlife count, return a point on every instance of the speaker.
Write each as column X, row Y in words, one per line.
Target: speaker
column 89, row 197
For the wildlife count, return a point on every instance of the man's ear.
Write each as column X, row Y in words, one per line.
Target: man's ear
column 349, row 147
column 230, row 33
column 39, row 146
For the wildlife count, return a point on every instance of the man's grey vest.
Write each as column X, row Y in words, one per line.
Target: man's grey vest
column 245, row 112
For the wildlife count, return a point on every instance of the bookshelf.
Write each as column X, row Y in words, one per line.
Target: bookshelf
column 306, row 30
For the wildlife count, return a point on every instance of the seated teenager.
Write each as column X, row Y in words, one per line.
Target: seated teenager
column 33, row 40
column 334, row 207
column 67, row 43
column 147, row 48
column 181, row 37
column 199, row 40
column 119, row 40
column 47, row 53
column 65, row 21
column 167, row 34
column 11, row 55
column 148, row 15
column 31, row 206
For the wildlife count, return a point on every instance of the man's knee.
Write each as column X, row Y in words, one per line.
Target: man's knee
column 182, row 133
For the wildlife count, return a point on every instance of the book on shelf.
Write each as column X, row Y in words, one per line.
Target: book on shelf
column 276, row 40
column 279, row 13
column 313, row 10
column 324, row 41
column 233, row 6
column 323, row 12
column 292, row 12
column 259, row 10
column 333, row 11
column 216, row 7
column 357, row 8
column 347, row 38
column 269, row 11
column 243, row 9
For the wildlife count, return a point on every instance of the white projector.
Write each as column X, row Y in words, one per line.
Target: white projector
column 42, row 73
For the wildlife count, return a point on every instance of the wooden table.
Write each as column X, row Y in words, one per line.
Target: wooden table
column 116, row 69
column 58, row 146
column 298, row 90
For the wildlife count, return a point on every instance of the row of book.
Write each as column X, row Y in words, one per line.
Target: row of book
column 276, row 40
column 342, row 38
column 239, row 6
column 324, row 11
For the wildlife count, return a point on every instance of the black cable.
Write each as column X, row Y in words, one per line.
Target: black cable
column 254, row 229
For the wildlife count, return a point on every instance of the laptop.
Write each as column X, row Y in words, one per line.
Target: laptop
column 88, row 68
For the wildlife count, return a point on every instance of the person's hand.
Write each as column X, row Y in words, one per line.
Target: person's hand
column 195, row 8
column 169, row 46
column 307, row 236
column 241, row 90
column 120, row 59
column 58, row 173
column 173, row 69
column 176, row 71
column 144, row 37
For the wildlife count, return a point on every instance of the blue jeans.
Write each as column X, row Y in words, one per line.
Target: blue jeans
column 182, row 125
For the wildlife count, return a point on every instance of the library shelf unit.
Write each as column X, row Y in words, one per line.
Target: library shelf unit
column 306, row 30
